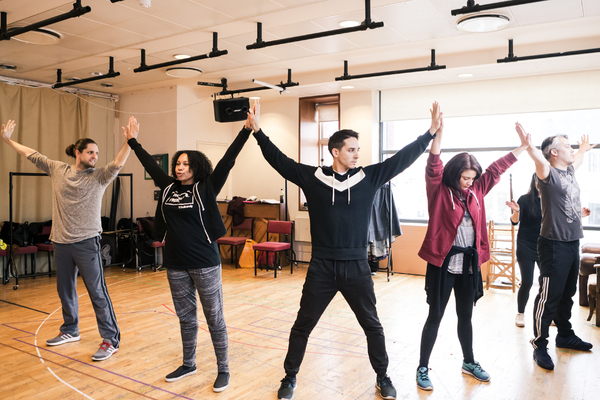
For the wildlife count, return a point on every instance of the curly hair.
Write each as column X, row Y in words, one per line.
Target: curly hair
column 80, row 145
column 200, row 165
column 456, row 166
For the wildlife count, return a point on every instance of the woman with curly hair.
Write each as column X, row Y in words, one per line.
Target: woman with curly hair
column 188, row 218
column 455, row 246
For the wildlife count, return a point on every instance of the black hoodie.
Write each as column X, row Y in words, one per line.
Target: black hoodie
column 339, row 206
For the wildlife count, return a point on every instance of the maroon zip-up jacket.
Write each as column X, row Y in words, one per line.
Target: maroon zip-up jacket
column 446, row 211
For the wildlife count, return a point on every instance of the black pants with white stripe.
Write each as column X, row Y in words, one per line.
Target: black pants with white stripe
column 84, row 257
column 559, row 269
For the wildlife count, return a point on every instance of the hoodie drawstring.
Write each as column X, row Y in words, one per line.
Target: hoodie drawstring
column 348, row 185
column 333, row 188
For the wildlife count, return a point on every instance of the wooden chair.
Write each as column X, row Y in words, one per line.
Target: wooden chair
column 24, row 251
column 502, row 257
column 157, row 245
column 594, row 294
column 236, row 241
column 276, row 227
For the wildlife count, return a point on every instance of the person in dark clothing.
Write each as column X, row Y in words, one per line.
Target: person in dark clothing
column 189, row 221
column 527, row 212
column 558, row 245
column 340, row 198
column 455, row 246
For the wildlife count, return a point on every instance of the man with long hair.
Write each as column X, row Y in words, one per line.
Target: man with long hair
column 77, row 191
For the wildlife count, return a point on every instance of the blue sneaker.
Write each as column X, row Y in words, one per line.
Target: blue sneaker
column 386, row 388
column 423, row 381
column 476, row 371
column 286, row 390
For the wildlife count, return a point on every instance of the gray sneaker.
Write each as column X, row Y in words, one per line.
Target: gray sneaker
column 62, row 338
column 105, row 351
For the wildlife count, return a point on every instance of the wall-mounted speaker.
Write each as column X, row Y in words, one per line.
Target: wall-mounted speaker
column 231, row 110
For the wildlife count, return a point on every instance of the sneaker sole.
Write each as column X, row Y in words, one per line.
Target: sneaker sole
column 574, row 348
column 388, row 397
column 427, row 388
column 104, row 358
column 520, row 325
column 219, row 390
column 181, row 376
column 73, row 339
column 288, row 398
column 467, row 372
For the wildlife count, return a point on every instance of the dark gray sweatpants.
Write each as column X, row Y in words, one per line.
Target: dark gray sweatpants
column 84, row 257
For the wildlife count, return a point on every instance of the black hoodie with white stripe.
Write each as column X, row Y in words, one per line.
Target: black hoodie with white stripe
column 339, row 206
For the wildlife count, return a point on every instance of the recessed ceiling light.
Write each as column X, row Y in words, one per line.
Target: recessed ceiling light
column 42, row 36
column 107, row 84
column 349, row 24
column 254, row 98
column 183, row 72
column 483, row 23
column 465, row 75
column 95, row 73
column 347, row 87
column 181, row 56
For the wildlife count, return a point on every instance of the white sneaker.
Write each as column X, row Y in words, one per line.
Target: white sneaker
column 520, row 320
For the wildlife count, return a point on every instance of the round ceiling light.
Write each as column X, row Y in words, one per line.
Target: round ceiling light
column 42, row 36
column 483, row 23
column 183, row 72
column 181, row 56
column 347, row 87
column 349, row 24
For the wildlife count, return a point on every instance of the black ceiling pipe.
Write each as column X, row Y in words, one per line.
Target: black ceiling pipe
column 431, row 67
column 225, row 92
column 111, row 74
column 471, row 7
column 214, row 53
column 366, row 24
column 512, row 58
column 6, row 34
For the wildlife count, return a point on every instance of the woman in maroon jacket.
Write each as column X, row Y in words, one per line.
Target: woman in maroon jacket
column 455, row 246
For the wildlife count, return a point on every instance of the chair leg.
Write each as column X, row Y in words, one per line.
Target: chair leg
column 255, row 263
column 592, row 302
column 33, row 264
column 275, row 267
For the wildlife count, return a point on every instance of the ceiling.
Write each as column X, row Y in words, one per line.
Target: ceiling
column 411, row 29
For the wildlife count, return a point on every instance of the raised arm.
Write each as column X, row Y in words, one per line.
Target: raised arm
column 132, row 130
column 584, row 147
column 525, row 139
column 6, row 132
column 437, row 128
column 542, row 166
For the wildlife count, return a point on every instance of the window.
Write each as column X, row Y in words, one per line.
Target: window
column 489, row 138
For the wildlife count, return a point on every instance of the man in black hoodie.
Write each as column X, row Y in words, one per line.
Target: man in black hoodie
column 339, row 200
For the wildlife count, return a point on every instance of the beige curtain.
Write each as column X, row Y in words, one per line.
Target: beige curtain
column 47, row 121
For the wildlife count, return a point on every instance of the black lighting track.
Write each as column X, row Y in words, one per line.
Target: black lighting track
column 431, row 67
column 111, row 74
column 512, row 58
column 225, row 92
column 214, row 53
column 471, row 7
column 366, row 24
column 6, row 34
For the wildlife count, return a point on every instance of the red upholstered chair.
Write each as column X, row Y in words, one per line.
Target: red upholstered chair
column 154, row 244
column 281, row 228
column 236, row 241
column 25, row 251
column 47, row 247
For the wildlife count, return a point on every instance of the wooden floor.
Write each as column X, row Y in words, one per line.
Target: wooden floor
column 259, row 312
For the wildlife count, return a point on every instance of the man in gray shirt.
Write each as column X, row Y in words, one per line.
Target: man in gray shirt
column 558, row 244
column 76, row 227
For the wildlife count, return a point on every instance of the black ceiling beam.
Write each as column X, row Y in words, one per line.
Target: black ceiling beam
column 366, row 24
column 512, row 58
column 225, row 92
column 431, row 67
column 111, row 74
column 6, row 34
column 214, row 53
column 471, row 7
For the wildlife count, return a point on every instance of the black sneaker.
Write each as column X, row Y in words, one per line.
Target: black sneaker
column 222, row 382
column 180, row 372
column 386, row 389
column 573, row 342
column 286, row 390
column 543, row 359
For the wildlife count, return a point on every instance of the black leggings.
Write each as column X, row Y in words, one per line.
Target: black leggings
column 527, row 266
column 464, row 293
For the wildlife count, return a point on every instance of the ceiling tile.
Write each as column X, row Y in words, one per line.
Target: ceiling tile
column 115, row 36
column 547, row 11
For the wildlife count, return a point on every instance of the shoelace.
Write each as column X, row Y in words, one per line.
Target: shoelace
column 424, row 375
column 385, row 381
column 105, row 346
column 287, row 381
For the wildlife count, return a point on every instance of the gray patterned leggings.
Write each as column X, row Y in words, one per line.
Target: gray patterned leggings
column 207, row 281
